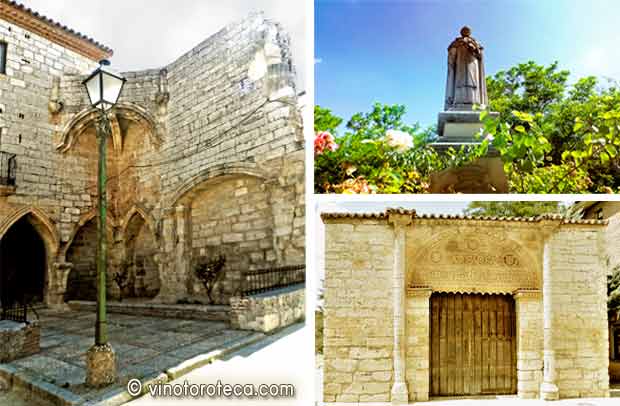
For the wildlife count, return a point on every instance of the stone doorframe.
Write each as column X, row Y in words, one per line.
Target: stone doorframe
column 411, row 321
column 529, row 324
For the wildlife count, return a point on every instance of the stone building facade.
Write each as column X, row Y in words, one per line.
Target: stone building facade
column 206, row 159
column 609, row 211
column 424, row 306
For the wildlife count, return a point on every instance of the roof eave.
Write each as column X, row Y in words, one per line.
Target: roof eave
column 36, row 23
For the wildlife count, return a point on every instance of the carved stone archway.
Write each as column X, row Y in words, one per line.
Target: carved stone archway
column 128, row 111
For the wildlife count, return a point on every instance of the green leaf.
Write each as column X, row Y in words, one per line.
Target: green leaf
column 520, row 129
column 604, row 158
column 611, row 150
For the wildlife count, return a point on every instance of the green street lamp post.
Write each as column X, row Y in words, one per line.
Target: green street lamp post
column 104, row 88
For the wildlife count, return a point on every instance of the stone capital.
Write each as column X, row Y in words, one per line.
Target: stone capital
column 520, row 294
column 549, row 225
column 422, row 292
column 398, row 219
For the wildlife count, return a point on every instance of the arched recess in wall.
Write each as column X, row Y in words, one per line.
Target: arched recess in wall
column 122, row 111
column 28, row 248
column 141, row 249
column 81, row 251
column 230, row 214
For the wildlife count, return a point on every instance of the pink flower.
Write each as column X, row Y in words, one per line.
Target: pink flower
column 323, row 141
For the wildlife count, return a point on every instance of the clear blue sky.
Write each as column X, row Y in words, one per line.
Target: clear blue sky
column 395, row 52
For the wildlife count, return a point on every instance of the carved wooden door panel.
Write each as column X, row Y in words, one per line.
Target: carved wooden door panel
column 473, row 344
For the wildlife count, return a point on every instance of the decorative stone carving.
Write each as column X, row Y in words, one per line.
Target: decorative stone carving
column 162, row 96
column 471, row 263
column 55, row 105
column 485, row 175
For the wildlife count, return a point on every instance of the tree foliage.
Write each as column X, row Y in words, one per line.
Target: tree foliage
column 613, row 290
column 513, row 209
column 325, row 120
column 553, row 137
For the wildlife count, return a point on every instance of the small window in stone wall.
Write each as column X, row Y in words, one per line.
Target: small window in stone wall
column 3, row 47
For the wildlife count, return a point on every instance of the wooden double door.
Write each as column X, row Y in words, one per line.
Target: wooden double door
column 473, row 344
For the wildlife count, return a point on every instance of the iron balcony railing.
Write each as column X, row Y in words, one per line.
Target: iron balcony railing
column 8, row 168
column 264, row 280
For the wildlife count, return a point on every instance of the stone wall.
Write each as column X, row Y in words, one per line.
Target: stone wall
column 270, row 311
column 43, row 177
column 81, row 281
column 233, row 218
column 358, row 334
column 553, row 268
column 529, row 317
column 227, row 108
column 18, row 340
column 579, row 312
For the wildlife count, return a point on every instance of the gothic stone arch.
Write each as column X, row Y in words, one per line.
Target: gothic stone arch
column 48, row 233
column 140, row 249
column 225, row 210
column 79, row 255
column 129, row 111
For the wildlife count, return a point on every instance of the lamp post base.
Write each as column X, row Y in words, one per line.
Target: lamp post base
column 100, row 366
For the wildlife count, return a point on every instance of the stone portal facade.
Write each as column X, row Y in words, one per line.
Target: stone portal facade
column 520, row 303
column 205, row 159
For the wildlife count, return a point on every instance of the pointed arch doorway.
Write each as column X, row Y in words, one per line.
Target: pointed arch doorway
column 23, row 264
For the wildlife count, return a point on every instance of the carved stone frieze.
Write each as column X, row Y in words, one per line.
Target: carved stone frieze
column 472, row 262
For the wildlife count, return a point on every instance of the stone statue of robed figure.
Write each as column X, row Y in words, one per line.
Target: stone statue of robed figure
column 459, row 123
column 466, row 85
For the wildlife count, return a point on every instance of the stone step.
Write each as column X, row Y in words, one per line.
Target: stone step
column 185, row 311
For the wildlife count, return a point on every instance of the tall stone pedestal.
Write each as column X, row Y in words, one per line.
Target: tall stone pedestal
column 485, row 175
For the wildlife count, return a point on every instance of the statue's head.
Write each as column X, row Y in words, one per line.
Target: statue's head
column 465, row 31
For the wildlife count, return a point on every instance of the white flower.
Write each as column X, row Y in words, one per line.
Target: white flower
column 399, row 140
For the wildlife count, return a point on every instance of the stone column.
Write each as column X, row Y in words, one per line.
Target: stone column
column 418, row 342
column 58, row 275
column 548, row 389
column 399, row 393
column 175, row 266
column 529, row 323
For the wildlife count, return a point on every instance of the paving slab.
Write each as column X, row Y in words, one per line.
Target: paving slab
column 145, row 348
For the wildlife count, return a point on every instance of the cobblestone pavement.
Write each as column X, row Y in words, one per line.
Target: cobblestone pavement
column 144, row 346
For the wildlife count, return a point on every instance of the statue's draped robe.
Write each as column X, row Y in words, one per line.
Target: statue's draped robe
column 466, row 84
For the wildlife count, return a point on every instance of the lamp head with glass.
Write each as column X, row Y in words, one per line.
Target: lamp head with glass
column 104, row 86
